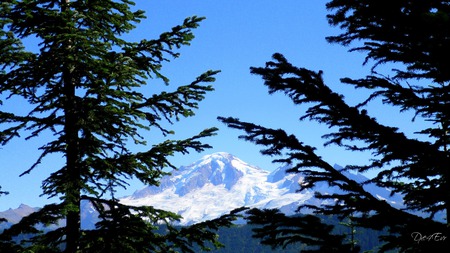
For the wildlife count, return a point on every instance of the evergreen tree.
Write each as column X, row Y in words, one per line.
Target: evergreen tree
column 350, row 225
column 2, row 193
column 415, row 35
column 85, row 85
column 278, row 230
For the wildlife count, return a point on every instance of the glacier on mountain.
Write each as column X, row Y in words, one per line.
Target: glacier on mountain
column 221, row 182
column 217, row 184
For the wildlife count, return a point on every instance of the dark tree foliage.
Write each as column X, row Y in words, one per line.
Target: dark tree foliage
column 2, row 193
column 87, row 86
column 412, row 34
column 239, row 239
column 278, row 230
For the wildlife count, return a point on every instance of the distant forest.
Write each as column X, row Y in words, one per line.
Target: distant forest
column 239, row 239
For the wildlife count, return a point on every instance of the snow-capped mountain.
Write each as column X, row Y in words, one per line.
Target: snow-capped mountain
column 217, row 184
column 221, row 182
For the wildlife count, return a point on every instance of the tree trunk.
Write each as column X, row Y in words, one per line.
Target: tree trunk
column 72, row 174
column 72, row 187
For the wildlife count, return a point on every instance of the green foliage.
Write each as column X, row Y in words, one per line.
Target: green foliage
column 85, row 86
column 413, row 34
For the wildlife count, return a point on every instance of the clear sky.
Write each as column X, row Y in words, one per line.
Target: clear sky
column 235, row 36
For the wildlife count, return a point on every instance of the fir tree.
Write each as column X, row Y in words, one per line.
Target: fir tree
column 416, row 35
column 85, row 85
column 278, row 230
column 2, row 193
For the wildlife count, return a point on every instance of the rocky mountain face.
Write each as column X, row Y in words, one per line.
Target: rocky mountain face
column 13, row 216
column 217, row 184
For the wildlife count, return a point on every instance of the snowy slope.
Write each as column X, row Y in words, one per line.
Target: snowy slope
column 217, row 184
column 221, row 182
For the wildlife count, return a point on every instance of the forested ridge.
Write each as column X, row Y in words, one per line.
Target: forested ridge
column 239, row 239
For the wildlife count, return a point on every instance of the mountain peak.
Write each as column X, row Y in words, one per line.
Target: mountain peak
column 220, row 182
column 15, row 215
column 24, row 206
column 217, row 169
column 212, row 186
column 223, row 160
column 219, row 155
column 222, row 157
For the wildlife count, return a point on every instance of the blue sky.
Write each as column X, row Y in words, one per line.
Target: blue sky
column 235, row 36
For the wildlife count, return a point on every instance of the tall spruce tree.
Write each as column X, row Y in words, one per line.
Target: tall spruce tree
column 86, row 86
column 415, row 35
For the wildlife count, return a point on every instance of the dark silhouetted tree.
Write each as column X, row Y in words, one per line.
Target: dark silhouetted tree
column 2, row 193
column 415, row 35
column 86, row 86
column 278, row 230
